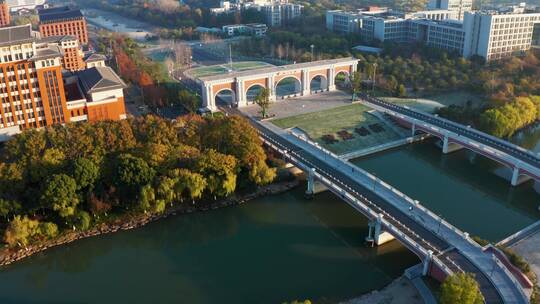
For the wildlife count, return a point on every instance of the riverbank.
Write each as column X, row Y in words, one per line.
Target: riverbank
column 400, row 291
column 130, row 221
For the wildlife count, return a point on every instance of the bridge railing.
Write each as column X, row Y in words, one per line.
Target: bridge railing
column 455, row 124
column 392, row 229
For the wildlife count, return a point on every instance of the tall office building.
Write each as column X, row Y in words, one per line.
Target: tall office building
column 62, row 21
column 34, row 93
column 494, row 36
column 460, row 7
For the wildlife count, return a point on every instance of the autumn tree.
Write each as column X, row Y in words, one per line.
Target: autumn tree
column 263, row 101
column 461, row 288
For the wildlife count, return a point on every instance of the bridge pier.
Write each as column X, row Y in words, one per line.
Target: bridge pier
column 426, row 263
column 376, row 235
column 313, row 186
column 449, row 147
column 413, row 129
column 518, row 179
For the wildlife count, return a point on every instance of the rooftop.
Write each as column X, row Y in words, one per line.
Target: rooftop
column 274, row 69
column 51, row 51
column 59, row 14
column 99, row 79
column 95, row 57
column 16, row 34
column 58, row 38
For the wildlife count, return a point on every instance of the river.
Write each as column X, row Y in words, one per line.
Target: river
column 277, row 248
column 274, row 249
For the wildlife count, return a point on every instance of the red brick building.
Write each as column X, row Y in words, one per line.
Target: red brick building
column 5, row 18
column 34, row 92
column 73, row 56
column 63, row 21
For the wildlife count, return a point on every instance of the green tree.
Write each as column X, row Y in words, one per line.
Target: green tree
column 85, row 173
column 9, row 208
column 20, row 231
column 191, row 182
column 356, row 84
column 60, row 194
column 219, row 170
column 48, row 230
column 401, row 91
column 461, row 288
column 132, row 171
column 148, row 201
column 263, row 101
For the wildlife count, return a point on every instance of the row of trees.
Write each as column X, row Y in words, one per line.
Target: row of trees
column 70, row 177
column 157, row 88
column 505, row 120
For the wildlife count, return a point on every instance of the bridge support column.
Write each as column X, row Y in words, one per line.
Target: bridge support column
column 376, row 235
column 313, row 186
column 515, row 176
column 413, row 129
column 427, row 262
column 310, row 183
column 305, row 83
column 445, row 145
column 331, row 79
column 271, row 88
column 240, row 94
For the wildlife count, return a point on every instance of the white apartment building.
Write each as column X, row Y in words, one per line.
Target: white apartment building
column 457, row 6
column 494, row 36
column 276, row 12
column 488, row 34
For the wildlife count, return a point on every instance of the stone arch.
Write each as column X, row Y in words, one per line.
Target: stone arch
column 252, row 91
column 225, row 96
column 288, row 86
column 342, row 79
column 318, row 83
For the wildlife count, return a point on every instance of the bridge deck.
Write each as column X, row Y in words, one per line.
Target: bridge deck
column 524, row 157
column 417, row 224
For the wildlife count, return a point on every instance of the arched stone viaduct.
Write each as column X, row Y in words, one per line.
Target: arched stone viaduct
column 239, row 83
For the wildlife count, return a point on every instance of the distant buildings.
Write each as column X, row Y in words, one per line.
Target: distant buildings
column 276, row 12
column 488, row 34
column 251, row 29
column 62, row 21
column 16, row 5
column 459, row 7
column 44, row 83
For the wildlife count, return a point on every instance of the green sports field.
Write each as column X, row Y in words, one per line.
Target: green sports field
column 224, row 68
column 350, row 118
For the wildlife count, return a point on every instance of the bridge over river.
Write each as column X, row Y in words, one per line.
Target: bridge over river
column 442, row 248
column 523, row 163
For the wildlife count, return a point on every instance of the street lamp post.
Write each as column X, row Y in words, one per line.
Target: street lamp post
column 374, row 75
column 312, row 47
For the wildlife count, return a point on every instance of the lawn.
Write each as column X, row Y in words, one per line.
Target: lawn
column 350, row 128
column 431, row 103
column 224, row 68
